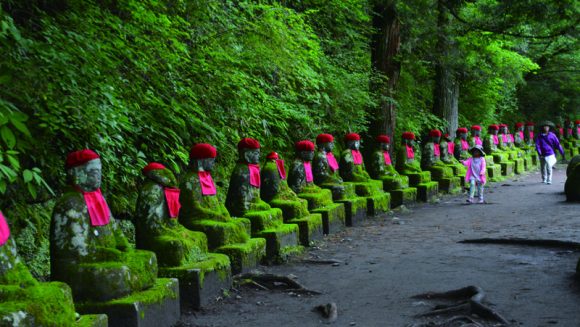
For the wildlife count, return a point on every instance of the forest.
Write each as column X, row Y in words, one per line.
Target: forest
column 144, row 80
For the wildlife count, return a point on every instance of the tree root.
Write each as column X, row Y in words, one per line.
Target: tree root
column 526, row 242
column 275, row 282
column 322, row 261
column 469, row 304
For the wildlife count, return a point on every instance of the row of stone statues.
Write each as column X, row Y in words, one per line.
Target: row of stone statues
column 189, row 243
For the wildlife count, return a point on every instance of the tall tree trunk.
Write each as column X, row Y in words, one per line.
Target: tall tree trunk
column 446, row 93
column 385, row 46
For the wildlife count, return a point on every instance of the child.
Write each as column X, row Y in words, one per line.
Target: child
column 475, row 175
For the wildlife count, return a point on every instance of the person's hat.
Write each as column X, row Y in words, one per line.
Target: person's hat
column 478, row 148
column 547, row 123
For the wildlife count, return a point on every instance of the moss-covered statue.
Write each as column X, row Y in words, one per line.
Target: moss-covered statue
column 568, row 129
column 278, row 194
column 301, row 181
column 243, row 200
column 491, row 142
column 447, row 147
column 326, row 175
column 519, row 139
column 572, row 186
column 352, row 169
column 202, row 211
column 440, row 171
column 407, row 165
column 88, row 251
column 559, row 132
column 475, row 136
column 461, row 144
column 381, row 168
column 505, row 142
column 26, row 302
column 529, row 134
column 577, row 129
column 181, row 253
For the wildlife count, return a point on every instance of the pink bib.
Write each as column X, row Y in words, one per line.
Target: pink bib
column 387, row 158
column 254, row 175
column 478, row 140
column 569, row 131
column 98, row 209
column 578, row 130
column 495, row 140
column 172, row 199
column 504, row 137
column 436, row 150
column 531, row 134
column 331, row 161
column 464, row 145
column 206, row 183
column 450, row 148
column 561, row 132
column 521, row 134
column 4, row 230
column 511, row 138
column 308, row 171
column 281, row 169
column 410, row 152
column 356, row 157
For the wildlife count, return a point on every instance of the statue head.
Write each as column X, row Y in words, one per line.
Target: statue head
column 249, row 151
column 409, row 138
column 568, row 123
column 503, row 129
column 435, row 135
column 493, row 129
column 84, row 170
column 325, row 142
column 305, row 150
column 352, row 141
column 202, row 157
column 530, row 126
column 519, row 127
column 159, row 174
column 475, row 130
column 447, row 137
column 577, row 122
column 461, row 133
column 384, row 142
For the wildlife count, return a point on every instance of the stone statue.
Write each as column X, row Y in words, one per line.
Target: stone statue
column 475, row 137
column 577, row 129
column 519, row 139
column 447, row 147
column 569, row 129
column 352, row 168
column 381, row 166
column 243, row 200
column 461, row 144
column 491, row 142
column 278, row 194
column 301, row 180
column 202, row 211
column 560, row 132
column 431, row 157
column 23, row 300
column 88, row 250
column 505, row 142
column 408, row 165
column 529, row 134
column 181, row 253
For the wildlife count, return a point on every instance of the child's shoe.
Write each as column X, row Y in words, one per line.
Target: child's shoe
column 470, row 200
column 481, row 200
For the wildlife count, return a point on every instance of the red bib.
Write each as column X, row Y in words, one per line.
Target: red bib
column 254, row 175
column 387, row 158
column 308, row 171
column 281, row 169
column 450, row 148
column 331, row 161
column 97, row 207
column 495, row 140
column 172, row 199
column 478, row 141
column 464, row 145
column 4, row 230
column 410, row 152
column 356, row 157
column 206, row 183
column 436, row 150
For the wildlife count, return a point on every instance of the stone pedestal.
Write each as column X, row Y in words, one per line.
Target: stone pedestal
column 154, row 307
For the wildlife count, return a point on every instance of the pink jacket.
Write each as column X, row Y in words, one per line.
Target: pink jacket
column 482, row 172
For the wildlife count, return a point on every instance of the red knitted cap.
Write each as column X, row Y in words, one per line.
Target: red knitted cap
column 435, row 133
column 273, row 155
column 503, row 125
column 81, row 157
column 408, row 136
column 461, row 130
column 577, row 121
column 518, row 125
column 530, row 123
column 304, row 145
column 494, row 127
column 248, row 143
column 324, row 138
column 202, row 151
column 152, row 166
column 383, row 139
column 476, row 128
column 352, row 137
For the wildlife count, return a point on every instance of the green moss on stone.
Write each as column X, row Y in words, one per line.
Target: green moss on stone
column 162, row 289
column 97, row 320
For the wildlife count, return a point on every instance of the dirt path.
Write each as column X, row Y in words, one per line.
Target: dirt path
column 385, row 263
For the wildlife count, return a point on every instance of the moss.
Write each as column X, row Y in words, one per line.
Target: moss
column 309, row 227
column 572, row 185
column 215, row 262
column 317, row 199
column 403, row 196
column 97, row 320
column 264, row 219
column 426, row 191
column 244, row 255
column 220, row 233
column 48, row 304
column 291, row 209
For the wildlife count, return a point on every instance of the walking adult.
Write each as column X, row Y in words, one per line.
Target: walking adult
column 546, row 144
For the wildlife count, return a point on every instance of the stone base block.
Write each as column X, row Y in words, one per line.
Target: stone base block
column 317, row 199
column 92, row 321
column 310, row 228
column 355, row 210
column 427, row 191
column 519, row 166
column 404, row 196
column 281, row 242
column 528, row 163
column 200, row 283
column 535, row 159
column 222, row 232
column 244, row 256
column 494, row 173
column 333, row 217
column 157, row 306
column 378, row 204
column 507, row 168
column 450, row 185
column 418, row 178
